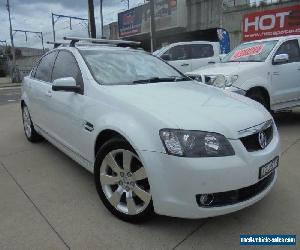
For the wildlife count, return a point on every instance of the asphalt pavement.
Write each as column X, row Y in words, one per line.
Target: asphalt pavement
column 10, row 95
column 47, row 201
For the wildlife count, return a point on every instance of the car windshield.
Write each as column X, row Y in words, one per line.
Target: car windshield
column 251, row 52
column 128, row 67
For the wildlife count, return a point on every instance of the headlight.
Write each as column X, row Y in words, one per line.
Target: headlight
column 222, row 81
column 195, row 143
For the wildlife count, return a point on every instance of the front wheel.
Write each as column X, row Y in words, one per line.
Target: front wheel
column 122, row 183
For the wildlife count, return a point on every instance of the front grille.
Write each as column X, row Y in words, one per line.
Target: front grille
column 239, row 195
column 251, row 142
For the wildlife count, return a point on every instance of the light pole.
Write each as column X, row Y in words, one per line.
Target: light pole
column 101, row 17
column 11, row 37
column 152, row 25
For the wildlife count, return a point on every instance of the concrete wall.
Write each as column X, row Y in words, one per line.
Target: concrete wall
column 203, row 14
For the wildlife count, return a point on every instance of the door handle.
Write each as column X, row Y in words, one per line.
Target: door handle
column 185, row 64
column 48, row 94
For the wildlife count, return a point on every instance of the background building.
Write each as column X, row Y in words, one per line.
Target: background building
column 187, row 20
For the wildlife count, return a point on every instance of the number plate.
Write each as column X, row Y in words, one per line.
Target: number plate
column 268, row 168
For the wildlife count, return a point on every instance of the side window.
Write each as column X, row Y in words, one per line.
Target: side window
column 180, row 52
column 44, row 68
column 292, row 49
column 201, row 51
column 66, row 66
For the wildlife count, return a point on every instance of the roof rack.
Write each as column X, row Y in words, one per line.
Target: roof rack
column 120, row 43
column 57, row 44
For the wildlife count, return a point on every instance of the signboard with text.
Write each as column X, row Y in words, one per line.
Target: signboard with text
column 130, row 21
column 137, row 20
column 271, row 23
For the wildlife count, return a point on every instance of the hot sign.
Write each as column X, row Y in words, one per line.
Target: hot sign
column 271, row 23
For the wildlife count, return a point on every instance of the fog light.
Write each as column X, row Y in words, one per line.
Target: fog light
column 206, row 199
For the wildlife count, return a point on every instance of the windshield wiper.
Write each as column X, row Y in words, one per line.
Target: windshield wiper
column 162, row 79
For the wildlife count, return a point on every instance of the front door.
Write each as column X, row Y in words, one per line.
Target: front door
column 66, row 116
column 285, row 76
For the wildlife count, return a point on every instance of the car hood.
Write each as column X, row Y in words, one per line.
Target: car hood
column 231, row 68
column 193, row 106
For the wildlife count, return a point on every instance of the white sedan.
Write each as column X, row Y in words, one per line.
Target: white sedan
column 155, row 141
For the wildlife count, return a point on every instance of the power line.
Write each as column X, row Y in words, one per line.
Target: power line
column 38, row 33
column 56, row 17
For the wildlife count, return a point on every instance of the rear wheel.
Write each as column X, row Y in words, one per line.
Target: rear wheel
column 29, row 130
column 122, row 183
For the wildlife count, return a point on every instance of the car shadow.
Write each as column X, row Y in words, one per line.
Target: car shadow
column 284, row 119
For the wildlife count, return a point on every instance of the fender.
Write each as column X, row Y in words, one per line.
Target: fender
column 131, row 130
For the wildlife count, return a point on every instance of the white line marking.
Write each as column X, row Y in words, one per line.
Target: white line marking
column 11, row 100
column 7, row 88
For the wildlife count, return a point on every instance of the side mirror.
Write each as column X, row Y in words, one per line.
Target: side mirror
column 281, row 58
column 165, row 57
column 67, row 84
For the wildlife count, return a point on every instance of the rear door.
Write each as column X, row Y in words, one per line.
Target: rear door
column 40, row 89
column 180, row 57
column 202, row 55
column 285, row 76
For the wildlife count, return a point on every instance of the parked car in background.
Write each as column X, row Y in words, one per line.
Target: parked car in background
column 267, row 71
column 188, row 56
column 155, row 140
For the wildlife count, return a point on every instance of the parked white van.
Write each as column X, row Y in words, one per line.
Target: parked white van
column 267, row 71
column 188, row 56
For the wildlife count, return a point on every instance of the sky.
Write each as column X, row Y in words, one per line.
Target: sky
column 35, row 15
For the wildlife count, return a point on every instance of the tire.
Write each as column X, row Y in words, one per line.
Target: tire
column 29, row 130
column 260, row 98
column 123, row 188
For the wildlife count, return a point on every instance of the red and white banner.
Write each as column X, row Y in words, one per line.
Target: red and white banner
column 271, row 23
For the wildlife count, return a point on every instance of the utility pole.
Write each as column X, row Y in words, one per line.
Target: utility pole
column 92, row 24
column 152, row 25
column 11, row 38
column 101, row 17
column 53, row 29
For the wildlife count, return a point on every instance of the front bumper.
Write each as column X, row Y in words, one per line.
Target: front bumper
column 176, row 181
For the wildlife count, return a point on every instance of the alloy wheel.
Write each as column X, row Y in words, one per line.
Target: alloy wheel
column 124, row 182
column 27, row 122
